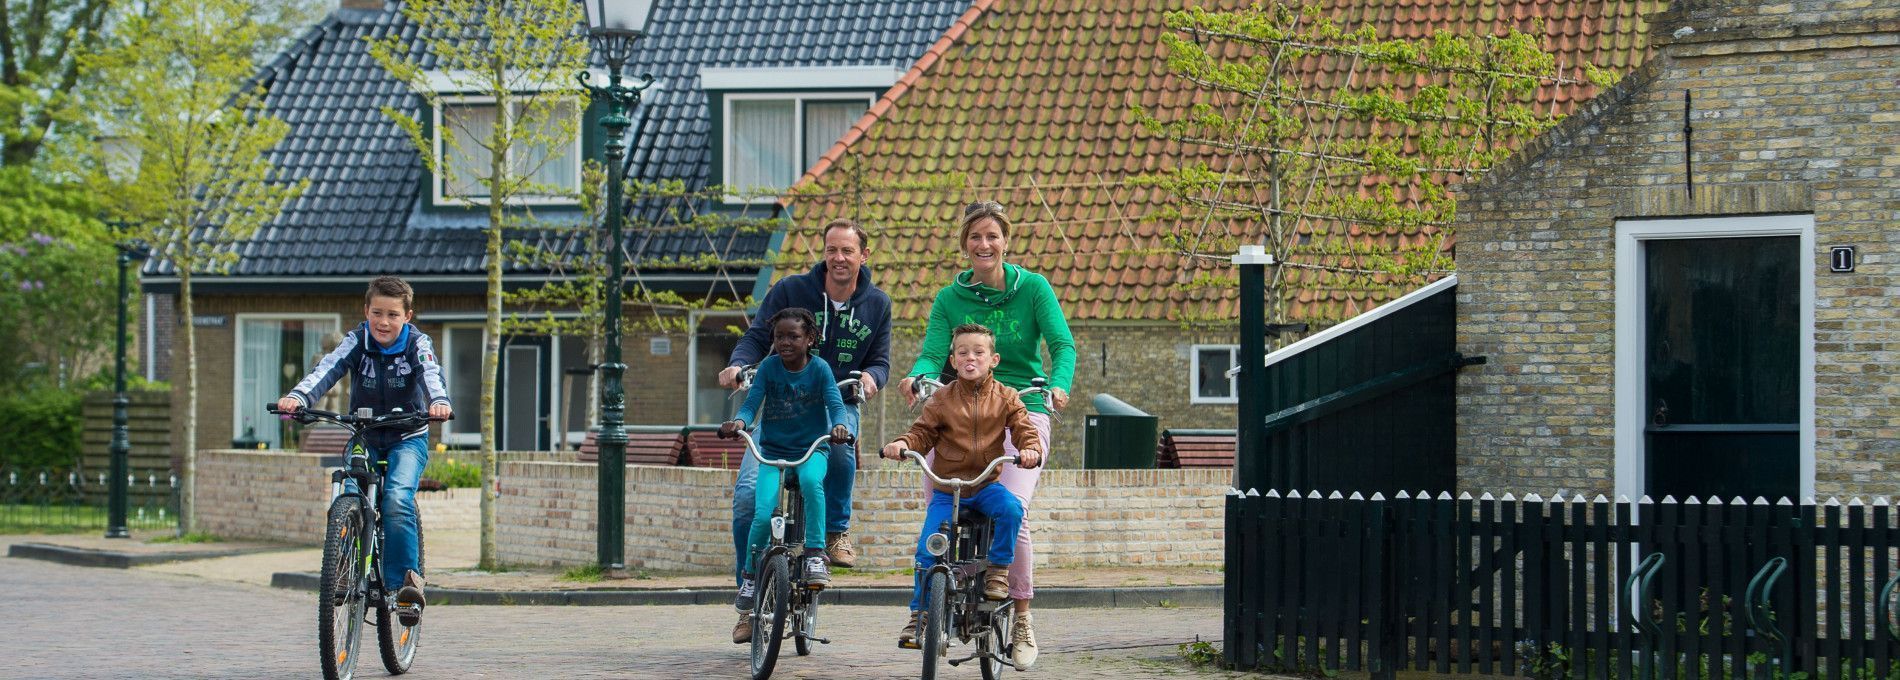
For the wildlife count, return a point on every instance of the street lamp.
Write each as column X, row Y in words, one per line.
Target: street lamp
column 614, row 26
column 130, row 252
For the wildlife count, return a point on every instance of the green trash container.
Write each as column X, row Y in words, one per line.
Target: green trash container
column 1118, row 436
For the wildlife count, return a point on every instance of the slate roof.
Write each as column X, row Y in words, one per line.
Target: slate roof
column 363, row 211
column 1027, row 103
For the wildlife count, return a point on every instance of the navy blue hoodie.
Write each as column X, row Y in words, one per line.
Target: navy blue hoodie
column 403, row 375
column 857, row 338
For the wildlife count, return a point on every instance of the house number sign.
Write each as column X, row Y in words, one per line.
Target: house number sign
column 1840, row 259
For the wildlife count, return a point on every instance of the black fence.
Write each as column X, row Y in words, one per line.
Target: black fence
column 1565, row 588
column 58, row 501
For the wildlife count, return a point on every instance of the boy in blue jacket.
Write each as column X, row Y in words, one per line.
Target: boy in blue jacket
column 394, row 367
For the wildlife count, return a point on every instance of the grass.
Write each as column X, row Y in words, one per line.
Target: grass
column 588, row 573
column 63, row 519
column 193, row 537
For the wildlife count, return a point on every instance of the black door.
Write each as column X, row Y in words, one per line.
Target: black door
column 1722, row 387
column 521, row 394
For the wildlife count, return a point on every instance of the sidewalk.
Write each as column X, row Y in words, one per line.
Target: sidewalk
column 453, row 578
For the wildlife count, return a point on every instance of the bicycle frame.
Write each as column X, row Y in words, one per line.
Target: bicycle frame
column 958, row 562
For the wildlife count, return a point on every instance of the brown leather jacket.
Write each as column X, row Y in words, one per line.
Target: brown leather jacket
column 966, row 423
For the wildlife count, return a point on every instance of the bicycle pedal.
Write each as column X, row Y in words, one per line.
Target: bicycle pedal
column 408, row 614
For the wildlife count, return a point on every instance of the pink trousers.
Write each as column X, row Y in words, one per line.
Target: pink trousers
column 1022, row 483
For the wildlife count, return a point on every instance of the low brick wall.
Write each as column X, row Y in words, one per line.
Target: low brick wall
column 680, row 519
column 282, row 496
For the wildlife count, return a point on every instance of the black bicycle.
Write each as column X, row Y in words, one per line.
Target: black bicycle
column 351, row 582
column 784, row 593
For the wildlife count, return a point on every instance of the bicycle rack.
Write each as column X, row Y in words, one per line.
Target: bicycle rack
column 1761, row 612
column 1637, row 593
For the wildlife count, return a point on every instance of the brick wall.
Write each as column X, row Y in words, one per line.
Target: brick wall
column 278, row 496
column 1792, row 114
column 680, row 518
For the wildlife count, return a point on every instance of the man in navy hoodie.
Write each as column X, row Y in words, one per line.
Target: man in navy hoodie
column 854, row 329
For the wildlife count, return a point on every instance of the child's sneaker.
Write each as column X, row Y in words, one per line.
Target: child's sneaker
column 907, row 639
column 996, row 583
column 817, row 575
column 748, row 591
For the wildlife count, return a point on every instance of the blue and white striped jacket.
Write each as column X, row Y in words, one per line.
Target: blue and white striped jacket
column 404, row 375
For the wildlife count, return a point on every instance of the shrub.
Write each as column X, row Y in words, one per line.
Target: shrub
column 454, row 473
column 41, row 429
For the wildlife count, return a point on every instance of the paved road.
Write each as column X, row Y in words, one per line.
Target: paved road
column 73, row 622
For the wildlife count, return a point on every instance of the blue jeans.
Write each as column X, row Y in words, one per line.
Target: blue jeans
column 839, row 476
column 400, row 549
column 996, row 503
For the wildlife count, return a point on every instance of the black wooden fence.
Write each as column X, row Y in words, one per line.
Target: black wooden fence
column 1562, row 588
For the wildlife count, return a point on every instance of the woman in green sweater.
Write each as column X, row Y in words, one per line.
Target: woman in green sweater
column 1020, row 307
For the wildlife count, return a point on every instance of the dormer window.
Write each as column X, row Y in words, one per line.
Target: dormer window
column 462, row 126
column 777, row 122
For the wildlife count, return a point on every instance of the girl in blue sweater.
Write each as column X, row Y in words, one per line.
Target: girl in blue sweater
column 797, row 400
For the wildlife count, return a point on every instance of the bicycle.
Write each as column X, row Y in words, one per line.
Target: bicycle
column 351, row 579
column 783, row 593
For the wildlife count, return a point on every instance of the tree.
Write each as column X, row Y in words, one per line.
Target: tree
column 176, row 79
column 39, row 69
column 55, row 283
column 523, row 55
column 1349, row 173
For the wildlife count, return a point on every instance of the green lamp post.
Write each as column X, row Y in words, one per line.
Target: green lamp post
column 130, row 252
column 614, row 26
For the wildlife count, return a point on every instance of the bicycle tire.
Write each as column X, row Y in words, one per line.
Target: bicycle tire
column 768, row 615
column 397, row 642
column 998, row 636
column 341, row 599
column 807, row 624
column 936, row 615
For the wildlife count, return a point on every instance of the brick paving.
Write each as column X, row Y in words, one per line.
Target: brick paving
column 72, row 622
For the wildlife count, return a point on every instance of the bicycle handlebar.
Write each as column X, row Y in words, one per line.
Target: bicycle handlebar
column 956, row 481
column 355, row 421
column 752, row 449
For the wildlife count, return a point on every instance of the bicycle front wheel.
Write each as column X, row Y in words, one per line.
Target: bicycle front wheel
column 341, row 596
column 398, row 642
column 936, row 618
column 769, row 613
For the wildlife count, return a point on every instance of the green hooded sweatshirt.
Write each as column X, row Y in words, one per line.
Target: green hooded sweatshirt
column 1023, row 317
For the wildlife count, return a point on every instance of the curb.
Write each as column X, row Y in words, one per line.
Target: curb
column 113, row 559
column 1059, row 598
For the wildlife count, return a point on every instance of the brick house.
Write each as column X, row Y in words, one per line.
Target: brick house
column 1026, row 103
column 747, row 93
column 1656, row 282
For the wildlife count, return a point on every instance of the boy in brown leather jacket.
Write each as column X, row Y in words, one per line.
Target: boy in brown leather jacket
column 966, row 422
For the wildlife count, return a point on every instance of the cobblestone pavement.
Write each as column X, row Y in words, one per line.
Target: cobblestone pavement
column 74, row 622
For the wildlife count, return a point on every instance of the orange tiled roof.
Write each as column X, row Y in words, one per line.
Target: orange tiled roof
column 1027, row 103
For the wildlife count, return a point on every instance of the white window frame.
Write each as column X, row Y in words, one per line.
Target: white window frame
column 798, row 100
column 1631, row 332
column 449, row 435
column 1194, row 375
column 693, row 320
column 436, row 183
column 237, row 356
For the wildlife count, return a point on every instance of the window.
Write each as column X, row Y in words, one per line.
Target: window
column 462, row 366
column 772, row 138
column 578, row 409
column 463, row 126
column 1211, row 383
column 714, row 338
column 273, row 354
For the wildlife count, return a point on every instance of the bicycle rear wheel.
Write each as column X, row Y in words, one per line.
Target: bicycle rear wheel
column 999, row 641
column 936, row 618
column 807, row 624
column 398, row 642
column 768, row 615
column 341, row 599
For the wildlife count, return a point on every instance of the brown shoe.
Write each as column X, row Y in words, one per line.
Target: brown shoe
column 838, row 547
column 996, row 583
column 908, row 638
column 742, row 633
column 409, row 600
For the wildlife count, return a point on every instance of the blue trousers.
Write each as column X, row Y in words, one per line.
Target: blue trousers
column 993, row 501
column 840, row 475
column 811, row 485
column 401, row 551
